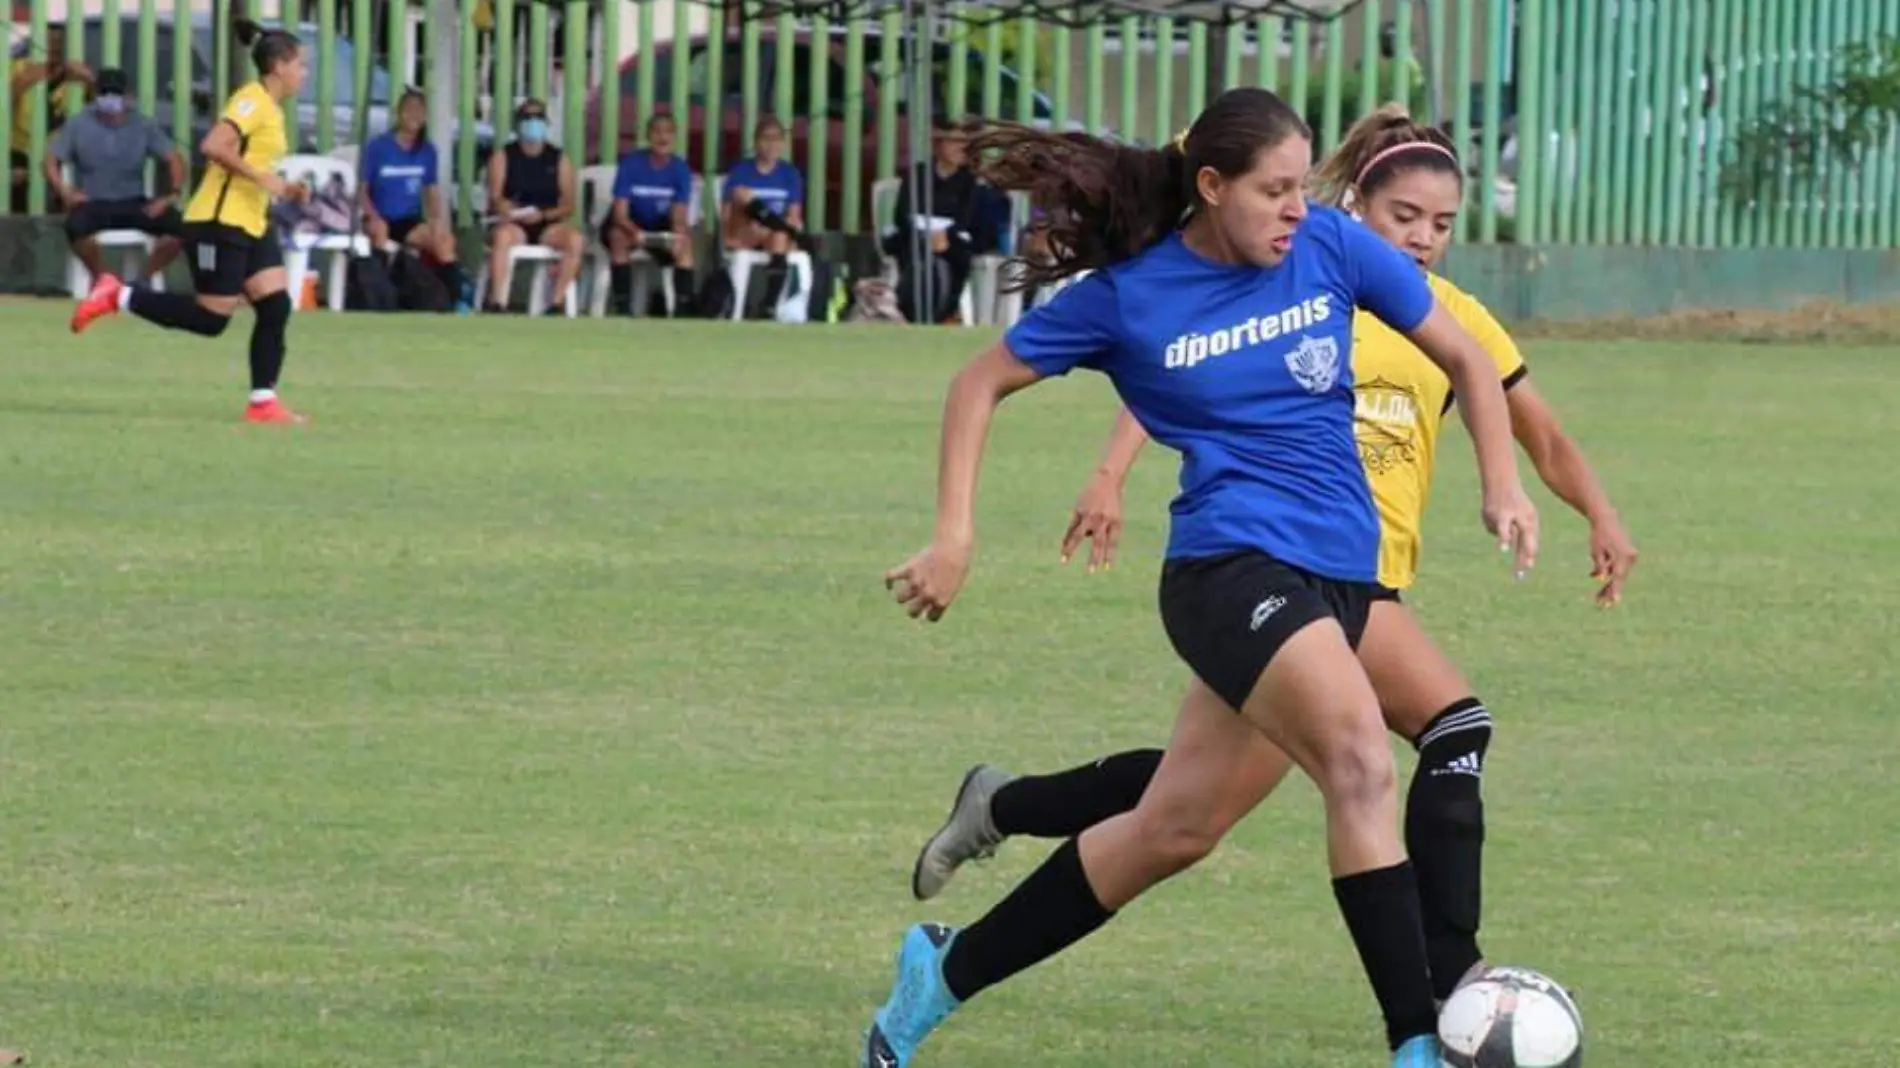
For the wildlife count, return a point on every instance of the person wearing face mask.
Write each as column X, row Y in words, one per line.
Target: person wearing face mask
column 531, row 195
column 106, row 147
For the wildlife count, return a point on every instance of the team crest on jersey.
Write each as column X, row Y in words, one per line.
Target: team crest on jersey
column 246, row 106
column 1314, row 363
column 1385, row 420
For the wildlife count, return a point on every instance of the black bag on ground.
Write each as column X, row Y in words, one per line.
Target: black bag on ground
column 368, row 286
column 419, row 288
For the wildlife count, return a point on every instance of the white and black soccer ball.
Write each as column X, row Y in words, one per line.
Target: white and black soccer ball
column 1511, row 1018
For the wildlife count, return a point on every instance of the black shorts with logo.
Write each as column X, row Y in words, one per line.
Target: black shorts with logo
column 98, row 216
column 223, row 257
column 1228, row 615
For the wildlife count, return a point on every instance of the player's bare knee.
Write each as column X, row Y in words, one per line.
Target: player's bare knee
column 1354, row 770
column 1177, row 836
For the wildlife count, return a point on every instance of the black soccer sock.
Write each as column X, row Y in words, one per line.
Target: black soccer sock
column 684, row 286
column 1048, row 912
column 175, row 311
column 1069, row 802
column 1382, row 912
column 620, row 286
column 267, row 340
column 1444, row 833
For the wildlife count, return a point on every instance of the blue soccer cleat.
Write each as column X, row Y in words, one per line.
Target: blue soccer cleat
column 919, row 1001
column 1420, row 1052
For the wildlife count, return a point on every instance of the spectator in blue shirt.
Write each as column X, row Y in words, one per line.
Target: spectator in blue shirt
column 402, row 191
column 765, row 195
column 653, row 189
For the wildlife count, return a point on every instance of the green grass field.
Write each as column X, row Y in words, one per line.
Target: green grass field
column 539, row 703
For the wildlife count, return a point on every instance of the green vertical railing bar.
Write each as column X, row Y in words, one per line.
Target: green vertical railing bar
column 1461, row 25
column 1761, row 91
column 1840, row 229
column 1550, row 149
column 890, row 85
column 468, row 65
column 1093, row 76
column 1815, row 203
column 1197, row 68
column 75, row 47
column 574, row 81
column 325, row 74
column 1368, row 57
column 646, row 79
column 6, row 111
column 1786, row 45
column 1718, row 211
column 1684, row 126
column 180, row 76
column 679, row 84
column 1532, row 130
column 712, row 139
column 1164, row 81
column 1883, row 230
column 1060, row 57
column 1602, row 130
column 1439, row 55
column 993, row 67
column 785, row 102
column 1567, row 88
column 853, row 161
column 1404, row 61
column 1622, row 132
column 1025, row 70
column 956, row 91
column 1235, row 52
column 396, row 30
column 111, row 45
column 1497, row 42
column 1646, row 85
column 1300, row 74
column 36, row 121
column 819, row 105
column 1332, row 100
column 220, row 52
column 1267, row 32
column 540, row 58
column 148, row 58
column 363, row 31
column 751, row 92
column 1769, row 53
column 1126, row 33
column 608, row 147
column 503, row 108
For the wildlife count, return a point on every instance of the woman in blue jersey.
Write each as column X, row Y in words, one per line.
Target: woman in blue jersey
column 1220, row 305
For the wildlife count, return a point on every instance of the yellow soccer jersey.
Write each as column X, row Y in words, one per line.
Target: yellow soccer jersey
column 232, row 199
column 1401, row 401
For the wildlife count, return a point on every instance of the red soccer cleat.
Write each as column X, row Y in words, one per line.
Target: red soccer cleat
column 271, row 411
column 101, row 302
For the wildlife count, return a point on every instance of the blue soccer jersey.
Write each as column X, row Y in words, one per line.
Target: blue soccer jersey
column 780, row 189
column 398, row 176
column 651, row 189
column 1247, row 372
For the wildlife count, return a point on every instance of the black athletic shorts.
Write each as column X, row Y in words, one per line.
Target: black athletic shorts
column 96, row 216
column 400, row 229
column 223, row 258
column 1228, row 615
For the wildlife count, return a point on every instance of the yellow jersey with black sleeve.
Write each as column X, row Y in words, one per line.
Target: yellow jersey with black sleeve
column 1401, row 399
column 231, row 199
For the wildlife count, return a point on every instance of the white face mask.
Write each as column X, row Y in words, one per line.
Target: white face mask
column 113, row 105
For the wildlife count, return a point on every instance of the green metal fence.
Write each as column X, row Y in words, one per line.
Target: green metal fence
column 1583, row 121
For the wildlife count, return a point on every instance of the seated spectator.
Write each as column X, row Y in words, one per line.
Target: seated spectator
column 54, row 71
column 106, row 146
column 954, row 230
column 762, row 192
column 531, row 193
column 653, row 191
column 402, row 191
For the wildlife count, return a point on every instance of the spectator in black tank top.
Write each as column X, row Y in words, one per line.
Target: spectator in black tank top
column 531, row 197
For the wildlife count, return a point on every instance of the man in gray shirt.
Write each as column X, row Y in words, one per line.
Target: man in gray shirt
column 106, row 146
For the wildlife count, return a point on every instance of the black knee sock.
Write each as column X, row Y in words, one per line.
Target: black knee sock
column 1382, row 912
column 1048, row 912
column 267, row 340
column 684, row 284
column 620, row 286
column 1444, row 833
column 176, row 311
column 1069, row 802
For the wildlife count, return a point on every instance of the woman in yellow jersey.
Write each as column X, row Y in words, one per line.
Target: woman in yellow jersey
column 1404, row 181
column 235, row 254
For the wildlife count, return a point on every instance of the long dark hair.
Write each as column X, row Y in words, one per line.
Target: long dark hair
column 1104, row 202
column 268, row 47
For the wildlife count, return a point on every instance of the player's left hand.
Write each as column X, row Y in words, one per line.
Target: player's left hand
column 1612, row 558
column 1097, row 520
column 927, row 583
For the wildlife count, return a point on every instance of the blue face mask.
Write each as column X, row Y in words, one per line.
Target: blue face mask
column 111, row 105
column 534, row 130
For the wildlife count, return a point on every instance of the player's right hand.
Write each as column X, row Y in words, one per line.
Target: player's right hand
column 1510, row 515
column 1098, row 520
column 927, row 583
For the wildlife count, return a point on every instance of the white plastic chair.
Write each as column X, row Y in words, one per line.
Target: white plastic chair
column 597, row 200
column 602, row 177
column 741, row 262
column 545, row 262
column 135, row 249
column 986, row 272
column 884, row 194
column 318, row 172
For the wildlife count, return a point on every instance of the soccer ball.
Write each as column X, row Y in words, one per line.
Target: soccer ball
column 1511, row 1018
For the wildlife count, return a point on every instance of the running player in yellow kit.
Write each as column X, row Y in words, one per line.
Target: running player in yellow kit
column 1404, row 181
column 235, row 253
